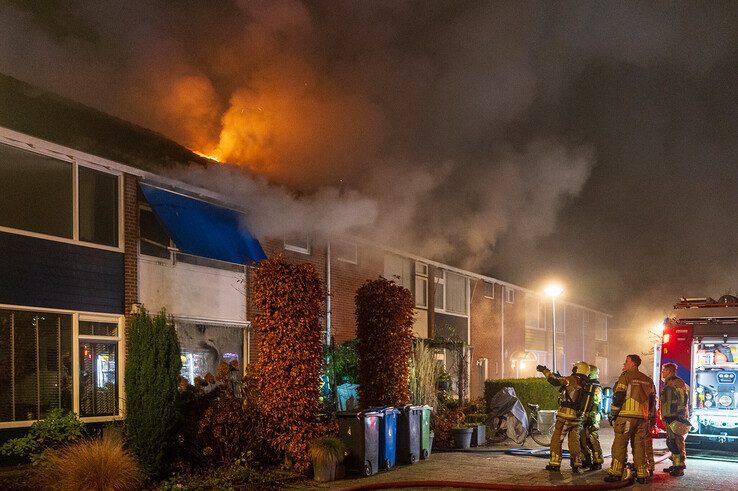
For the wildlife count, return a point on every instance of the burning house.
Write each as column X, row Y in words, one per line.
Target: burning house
column 91, row 229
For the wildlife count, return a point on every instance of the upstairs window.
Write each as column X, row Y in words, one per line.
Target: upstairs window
column 297, row 242
column 601, row 328
column 36, row 193
column 421, row 285
column 489, row 289
column 345, row 251
column 532, row 312
column 509, row 295
column 154, row 240
column 439, row 279
column 455, row 293
column 98, row 207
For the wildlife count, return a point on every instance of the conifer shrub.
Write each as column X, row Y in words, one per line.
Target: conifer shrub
column 289, row 299
column 384, row 328
column 153, row 365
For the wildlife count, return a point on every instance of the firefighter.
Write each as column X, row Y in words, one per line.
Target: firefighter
column 569, row 414
column 630, row 416
column 674, row 399
column 590, row 438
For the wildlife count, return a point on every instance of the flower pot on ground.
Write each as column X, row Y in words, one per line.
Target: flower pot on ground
column 479, row 435
column 326, row 452
column 462, row 437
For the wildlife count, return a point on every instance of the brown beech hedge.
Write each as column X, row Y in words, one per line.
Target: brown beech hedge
column 384, row 328
column 289, row 300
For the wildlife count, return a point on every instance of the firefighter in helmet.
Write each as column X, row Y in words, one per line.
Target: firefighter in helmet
column 569, row 414
column 648, row 440
column 590, row 438
column 674, row 399
column 630, row 415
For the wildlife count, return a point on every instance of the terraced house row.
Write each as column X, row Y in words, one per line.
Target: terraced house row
column 91, row 231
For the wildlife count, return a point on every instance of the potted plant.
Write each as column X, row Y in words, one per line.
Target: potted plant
column 326, row 452
column 479, row 429
column 462, row 435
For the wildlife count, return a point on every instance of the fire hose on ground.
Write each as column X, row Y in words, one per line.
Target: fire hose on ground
column 627, row 481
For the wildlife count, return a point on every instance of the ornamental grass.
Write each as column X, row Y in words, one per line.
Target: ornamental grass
column 90, row 465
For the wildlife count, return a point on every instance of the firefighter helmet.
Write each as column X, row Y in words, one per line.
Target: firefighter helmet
column 594, row 372
column 582, row 368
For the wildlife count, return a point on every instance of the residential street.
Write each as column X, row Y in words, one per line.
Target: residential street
column 497, row 467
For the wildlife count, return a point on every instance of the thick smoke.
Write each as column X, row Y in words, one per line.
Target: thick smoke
column 595, row 141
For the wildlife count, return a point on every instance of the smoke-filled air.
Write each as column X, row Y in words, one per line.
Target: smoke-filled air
column 592, row 141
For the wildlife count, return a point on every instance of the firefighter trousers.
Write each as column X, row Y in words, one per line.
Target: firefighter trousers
column 648, row 448
column 675, row 444
column 566, row 428
column 633, row 431
column 589, row 443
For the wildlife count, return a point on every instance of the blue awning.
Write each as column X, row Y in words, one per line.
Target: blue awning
column 204, row 229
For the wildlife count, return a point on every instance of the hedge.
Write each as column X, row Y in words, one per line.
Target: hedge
column 534, row 390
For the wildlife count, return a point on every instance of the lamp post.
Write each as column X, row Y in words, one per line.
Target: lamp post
column 553, row 290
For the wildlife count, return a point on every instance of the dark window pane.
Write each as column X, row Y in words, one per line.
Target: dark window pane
column 98, row 207
column 35, row 193
column 98, row 378
column 6, row 379
column 154, row 239
column 24, row 373
column 88, row 328
column 54, row 362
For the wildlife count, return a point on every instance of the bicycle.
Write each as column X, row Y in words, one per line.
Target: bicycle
column 501, row 430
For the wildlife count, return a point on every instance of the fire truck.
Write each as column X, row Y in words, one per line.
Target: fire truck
column 700, row 336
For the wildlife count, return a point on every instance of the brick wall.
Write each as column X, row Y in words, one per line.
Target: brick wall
column 485, row 338
column 130, row 242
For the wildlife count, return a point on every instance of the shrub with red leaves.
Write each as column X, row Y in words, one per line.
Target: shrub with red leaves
column 384, row 328
column 289, row 300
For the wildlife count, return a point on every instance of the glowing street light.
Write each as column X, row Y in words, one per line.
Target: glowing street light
column 553, row 290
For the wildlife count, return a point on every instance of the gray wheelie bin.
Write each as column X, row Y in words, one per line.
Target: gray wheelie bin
column 408, row 434
column 360, row 433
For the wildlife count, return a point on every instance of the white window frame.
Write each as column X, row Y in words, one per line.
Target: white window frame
column 349, row 260
column 298, row 248
column 492, row 286
column 120, row 362
column 75, row 202
column 597, row 330
column 421, row 283
column 121, row 366
column 509, row 295
column 439, row 281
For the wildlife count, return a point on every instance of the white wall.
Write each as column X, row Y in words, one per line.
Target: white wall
column 187, row 290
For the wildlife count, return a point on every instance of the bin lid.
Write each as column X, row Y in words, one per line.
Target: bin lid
column 359, row 415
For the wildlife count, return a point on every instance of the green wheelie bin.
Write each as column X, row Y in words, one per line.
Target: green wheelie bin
column 425, row 439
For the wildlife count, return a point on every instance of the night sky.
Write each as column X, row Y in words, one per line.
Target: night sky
column 593, row 142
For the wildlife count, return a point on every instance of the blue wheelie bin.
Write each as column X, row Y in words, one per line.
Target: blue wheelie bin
column 387, row 437
column 408, row 434
column 360, row 433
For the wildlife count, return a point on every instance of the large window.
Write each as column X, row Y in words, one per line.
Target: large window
column 400, row 270
column 532, row 312
column 297, row 242
column 455, row 293
column 421, row 285
column 35, row 364
column 601, row 327
column 98, row 207
column 154, row 240
column 205, row 346
column 37, row 195
column 439, row 282
column 98, row 368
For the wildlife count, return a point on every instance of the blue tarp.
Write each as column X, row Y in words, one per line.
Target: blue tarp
column 204, row 229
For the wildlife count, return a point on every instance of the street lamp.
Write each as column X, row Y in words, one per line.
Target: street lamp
column 553, row 290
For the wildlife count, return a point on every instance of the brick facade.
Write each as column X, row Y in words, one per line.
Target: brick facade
column 130, row 242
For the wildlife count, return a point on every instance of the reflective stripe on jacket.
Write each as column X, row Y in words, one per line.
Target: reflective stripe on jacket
column 631, row 394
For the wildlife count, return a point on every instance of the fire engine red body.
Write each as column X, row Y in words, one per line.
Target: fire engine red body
column 701, row 337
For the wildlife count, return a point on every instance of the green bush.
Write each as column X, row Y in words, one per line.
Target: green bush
column 152, row 376
column 535, row 390
column 55, row 430
column 346, row 362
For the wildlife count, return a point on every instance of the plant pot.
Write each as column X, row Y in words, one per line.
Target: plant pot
column 462, row 437
column 324, row 471
column 479, row 436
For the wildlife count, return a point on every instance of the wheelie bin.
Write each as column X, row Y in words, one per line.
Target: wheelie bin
column 360, row 433
column 425, row 440
column 387, row 436
column 408, row 434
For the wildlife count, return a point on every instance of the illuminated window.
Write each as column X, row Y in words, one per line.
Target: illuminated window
column 98, row 368
column 205, row 346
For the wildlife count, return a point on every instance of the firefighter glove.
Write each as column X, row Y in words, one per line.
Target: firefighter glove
column 541, row 368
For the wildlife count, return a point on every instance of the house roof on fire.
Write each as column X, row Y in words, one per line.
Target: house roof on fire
column 36, row 112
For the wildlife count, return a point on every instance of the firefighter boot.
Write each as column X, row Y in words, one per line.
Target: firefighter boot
column 677, row 471
column 611, row 478
column 555, row 468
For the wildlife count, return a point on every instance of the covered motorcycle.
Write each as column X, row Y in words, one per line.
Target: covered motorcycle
column 505, row 409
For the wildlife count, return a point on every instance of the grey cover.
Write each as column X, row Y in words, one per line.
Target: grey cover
column 506, row 401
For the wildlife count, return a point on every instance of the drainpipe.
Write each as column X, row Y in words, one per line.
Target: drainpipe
column 502, row 332
column 328, row 294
